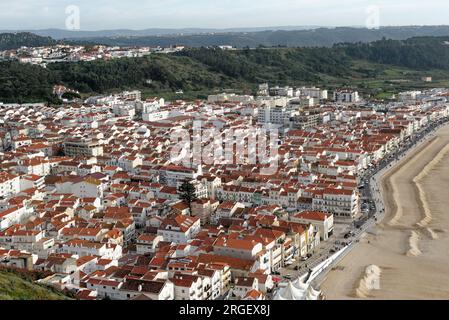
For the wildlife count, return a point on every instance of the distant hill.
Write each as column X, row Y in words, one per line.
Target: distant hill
column 23, row 39
column 60, row 34
column 14, row 287
column 238, row 37
column 315, row 37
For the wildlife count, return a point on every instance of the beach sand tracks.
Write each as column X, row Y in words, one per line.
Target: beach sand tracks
column 433, row 235
column 370, row 280
column 413, row 244
column 422, row 226
column 392, row 177
column 427, row 218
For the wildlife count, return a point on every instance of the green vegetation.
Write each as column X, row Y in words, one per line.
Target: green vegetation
column 23, row 39
column 378, row 69
column 164, row 71
column 187, row 193
column 14, row 286
column 415, row 53
column 273, row 65
column 71, row 95
column 320, row 37
column 25, row 83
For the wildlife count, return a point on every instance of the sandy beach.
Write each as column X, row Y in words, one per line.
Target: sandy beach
column 409, row 248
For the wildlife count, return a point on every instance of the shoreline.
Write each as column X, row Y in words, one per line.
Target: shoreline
column 404, row 230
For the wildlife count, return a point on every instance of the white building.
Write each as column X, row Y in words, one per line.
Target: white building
column 321, row 221
column 74, row 147
column 187, row 287
column 278, row 115
column 232, row 97
column 346, row 96
column 9, row 184
column 179, row 229
column 147, row 243
column 343, row 203
column 88, row 248
column 314, row 93
column 13, row 216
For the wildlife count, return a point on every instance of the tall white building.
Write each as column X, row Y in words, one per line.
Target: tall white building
column 346, row 96
column 274, row 115
column 314, row 93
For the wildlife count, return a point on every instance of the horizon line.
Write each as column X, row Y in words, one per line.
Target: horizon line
column 267, row 28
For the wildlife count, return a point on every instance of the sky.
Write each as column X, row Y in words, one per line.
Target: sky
column 143, row 14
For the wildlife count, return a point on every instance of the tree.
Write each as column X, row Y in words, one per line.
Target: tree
column 71, row 95
column 187, row 193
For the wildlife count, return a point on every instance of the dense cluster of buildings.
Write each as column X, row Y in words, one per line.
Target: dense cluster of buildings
column 91, row 192
column 76, row 53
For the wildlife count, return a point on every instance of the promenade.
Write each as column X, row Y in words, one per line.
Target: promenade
column 406, row 237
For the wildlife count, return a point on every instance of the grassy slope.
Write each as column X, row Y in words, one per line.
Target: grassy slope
column 200, row 72
column 13, row 287
column 370, row 78
column 382, row 81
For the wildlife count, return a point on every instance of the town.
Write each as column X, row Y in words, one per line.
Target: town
column 92, row 193
column 76, row 53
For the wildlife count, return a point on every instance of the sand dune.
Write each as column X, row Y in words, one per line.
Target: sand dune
column 411, row 245
column 396, row 217
column 413, row 240
column 427, row 214
column 432, row 234
column 394, row 175
column 422, row 195
column 398, row 211
column 370, row 281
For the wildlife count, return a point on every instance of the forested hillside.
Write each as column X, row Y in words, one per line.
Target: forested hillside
column 417, row 53
column 317, row 37
column 206, row 69
column 23, row 39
